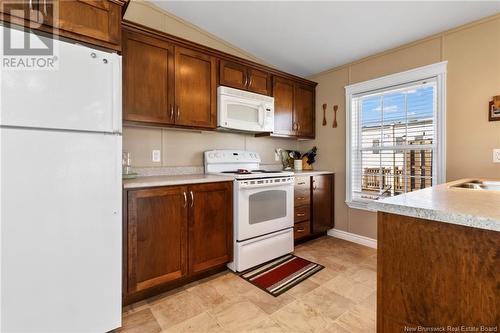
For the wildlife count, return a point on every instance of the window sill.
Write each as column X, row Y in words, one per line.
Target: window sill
column 361, row 205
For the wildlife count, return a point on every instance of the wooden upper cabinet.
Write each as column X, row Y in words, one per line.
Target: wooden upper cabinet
column 303, row 114
column 98, row 19
column 148, row 79
column 239, row 76
column 210, row 226
column 91, row 21
column 233, row 75
column 156, row 236
column 259, row 81
column 283, row 92
column 195, row 89
column 293, row 108
column 322, row 202
column 25, row 10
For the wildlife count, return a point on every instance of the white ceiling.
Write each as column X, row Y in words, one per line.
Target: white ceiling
column 307, row 37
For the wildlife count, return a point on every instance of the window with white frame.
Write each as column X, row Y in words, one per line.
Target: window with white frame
column 395, row 134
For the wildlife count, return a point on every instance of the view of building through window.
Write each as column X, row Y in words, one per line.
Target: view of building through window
column 395, row 140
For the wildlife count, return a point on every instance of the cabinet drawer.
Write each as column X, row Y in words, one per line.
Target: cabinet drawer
column 302, row 213
column 301, row 229
column 302, row 197
column 302, row 183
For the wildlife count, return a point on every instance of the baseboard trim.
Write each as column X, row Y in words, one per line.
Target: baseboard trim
column 358, row 239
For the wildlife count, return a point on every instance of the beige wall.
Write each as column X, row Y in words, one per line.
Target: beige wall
column 184, row 148
column 473, row 55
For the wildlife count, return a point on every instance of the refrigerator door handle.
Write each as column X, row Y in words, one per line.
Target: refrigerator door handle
column 117, row 92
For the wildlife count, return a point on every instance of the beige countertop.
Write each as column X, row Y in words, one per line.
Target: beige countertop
column 151, row 181
column 445, row 203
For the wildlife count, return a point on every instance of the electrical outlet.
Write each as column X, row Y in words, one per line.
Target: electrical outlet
column 496, row 155
column 156, row 155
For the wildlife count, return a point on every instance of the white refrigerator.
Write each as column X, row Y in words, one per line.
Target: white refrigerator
column 60, row 197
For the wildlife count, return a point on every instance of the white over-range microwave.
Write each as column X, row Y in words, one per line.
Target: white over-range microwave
column 244, row 111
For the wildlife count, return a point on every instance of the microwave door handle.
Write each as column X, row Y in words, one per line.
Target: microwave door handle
column 261, row 115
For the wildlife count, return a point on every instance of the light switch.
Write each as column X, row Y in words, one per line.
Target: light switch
column 156, row 155
column 496, row 155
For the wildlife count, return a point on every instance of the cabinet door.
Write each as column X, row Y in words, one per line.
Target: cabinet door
column 233, row 75
column 210, row 225
column 304, row 114
column 98, row 19
column 27, row 10
column 148, row 79
column 322, row 203
column 157, row 236
column 195, row 89
column 259, row 82
column 283, row 92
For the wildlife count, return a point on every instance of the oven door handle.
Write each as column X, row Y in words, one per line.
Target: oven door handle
column 252, row 186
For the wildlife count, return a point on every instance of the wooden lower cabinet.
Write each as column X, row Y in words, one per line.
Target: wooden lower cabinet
column 314, row 206
column 173, row 234
column 436, row 274
column 157, row 237
column 322, row 195
column 210, row 226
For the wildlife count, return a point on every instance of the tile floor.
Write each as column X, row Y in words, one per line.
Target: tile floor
column 340, row 298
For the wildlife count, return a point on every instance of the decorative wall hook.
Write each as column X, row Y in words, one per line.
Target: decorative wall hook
column 335, row 109
column 324, row 114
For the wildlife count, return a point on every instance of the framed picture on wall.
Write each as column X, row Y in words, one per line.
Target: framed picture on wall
column 494, row 109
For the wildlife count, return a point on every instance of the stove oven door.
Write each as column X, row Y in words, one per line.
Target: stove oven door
column 263, row 206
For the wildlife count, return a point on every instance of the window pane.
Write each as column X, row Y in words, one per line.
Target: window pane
column 371, row 121
column 394, row 118
column 391, row 172
column 420, row 104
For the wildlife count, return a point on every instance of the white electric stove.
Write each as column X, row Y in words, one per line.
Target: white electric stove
column 263, row 207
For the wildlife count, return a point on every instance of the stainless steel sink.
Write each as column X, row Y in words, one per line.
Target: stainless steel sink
column 480, row 185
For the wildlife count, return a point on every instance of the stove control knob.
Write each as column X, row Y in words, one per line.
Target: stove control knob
column 217, row 155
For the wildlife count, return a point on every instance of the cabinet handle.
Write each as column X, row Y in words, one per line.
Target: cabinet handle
column 185, row 199
column 301, row 230
column 171, row 112
column 178, row 112
column 298, row 126
column 301, row 214
column 301, row 198
column 192, row 198
column 45, row 7
column 314, row 185
column 249, row 81
column 301, row 183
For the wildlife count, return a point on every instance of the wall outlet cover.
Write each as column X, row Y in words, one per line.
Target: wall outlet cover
column 156, row 155
column 496, row 155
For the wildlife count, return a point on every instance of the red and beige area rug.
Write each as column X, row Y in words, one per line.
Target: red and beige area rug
column 282, row 274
